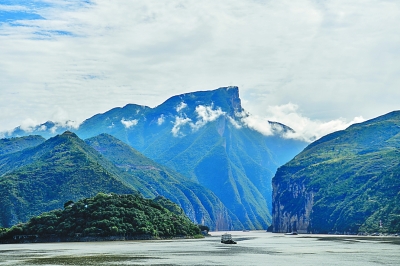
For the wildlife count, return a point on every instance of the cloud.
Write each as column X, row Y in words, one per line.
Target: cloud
column 255, row 122
column 335, row 59
column 181, row 106
column 304, row 128
column 161, row 120
column 29, row 125
column 178, row 124
column 206, row 114
column 129, row 123
column 235, row 123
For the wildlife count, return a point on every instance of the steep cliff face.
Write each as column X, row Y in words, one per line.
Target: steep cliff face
column 292, row 205
column 345, row 182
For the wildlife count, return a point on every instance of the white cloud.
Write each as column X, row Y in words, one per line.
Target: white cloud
column 234, row 122
column 129, row 123
column 333, row 58
column 206, row 114
column 305, row 128
column 178, row 124
column 161, row 120
column 258, row 123
column 29, row 124
column 181, row 106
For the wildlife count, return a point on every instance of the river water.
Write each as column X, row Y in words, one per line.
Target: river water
column 252, row 248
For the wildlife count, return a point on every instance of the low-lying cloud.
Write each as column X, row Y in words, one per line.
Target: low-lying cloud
column 129, row 123
column 304, row 128
column 181, row 106
column 205, row 114
column 178, row 124
column 161, row 120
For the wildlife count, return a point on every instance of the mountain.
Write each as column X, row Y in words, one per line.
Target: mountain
column 152, row 179
column 106, row 215
column 205, row 137
column 347, row 181
column 18, row 144
column 202, row 135
column 42, row 178
column 65, row 168
column 46, row 130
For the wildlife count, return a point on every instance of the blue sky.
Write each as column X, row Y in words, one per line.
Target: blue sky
column 316, row 66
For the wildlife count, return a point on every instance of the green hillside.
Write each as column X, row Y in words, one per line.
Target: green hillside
column 153, row 179
column 44, row 177
column 235, row 162
column 107, row 215
column 12, row 145
column 348, row 181
column 65, row 168
column 205, row 137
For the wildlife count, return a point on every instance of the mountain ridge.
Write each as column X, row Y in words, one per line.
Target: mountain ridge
column 190, row 132
column 344, row 182
column 65, row 168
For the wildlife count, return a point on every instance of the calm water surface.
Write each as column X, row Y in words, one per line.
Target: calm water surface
column 253, row 248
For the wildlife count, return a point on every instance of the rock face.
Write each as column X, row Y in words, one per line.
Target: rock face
column 204, row 136
column 291, row 216
column 346, row 182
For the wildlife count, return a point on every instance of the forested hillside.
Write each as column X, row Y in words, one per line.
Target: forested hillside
column 105, row 215
column 63, row 168
column 348, row 181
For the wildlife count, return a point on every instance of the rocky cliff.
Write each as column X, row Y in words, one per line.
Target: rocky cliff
column 345, row 182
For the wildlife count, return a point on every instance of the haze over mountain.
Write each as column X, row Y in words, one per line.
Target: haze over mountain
column 347, row 181
column 63, row 168
column 207, row 137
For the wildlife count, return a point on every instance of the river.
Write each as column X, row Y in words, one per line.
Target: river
column 252, row 248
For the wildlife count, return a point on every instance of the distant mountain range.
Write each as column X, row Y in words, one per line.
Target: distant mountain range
column 346, row 182
column 63, row 168
column 202, row 136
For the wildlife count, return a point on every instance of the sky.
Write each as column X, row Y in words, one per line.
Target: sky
column 314, row 65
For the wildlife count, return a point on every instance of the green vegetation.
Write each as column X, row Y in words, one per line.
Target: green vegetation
column 109, row 215
column 44, row 177
column 12, row 145
column 236, row 164
column 354, row 176
column 230, row 166
column 152, row 179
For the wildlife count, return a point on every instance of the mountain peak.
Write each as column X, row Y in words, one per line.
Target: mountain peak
column 225, row 98
column 69, row 133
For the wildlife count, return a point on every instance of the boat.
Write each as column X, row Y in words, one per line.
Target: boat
column 227, row 239
column 291, row 234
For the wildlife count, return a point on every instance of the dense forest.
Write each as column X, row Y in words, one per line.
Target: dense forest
column 107, row 215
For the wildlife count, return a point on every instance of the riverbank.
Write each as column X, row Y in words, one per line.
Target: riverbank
column 27, row 239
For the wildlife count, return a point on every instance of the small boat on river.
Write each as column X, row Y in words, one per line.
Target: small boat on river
column 227, row 239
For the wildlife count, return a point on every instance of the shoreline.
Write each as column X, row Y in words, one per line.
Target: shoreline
column 30, row 239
